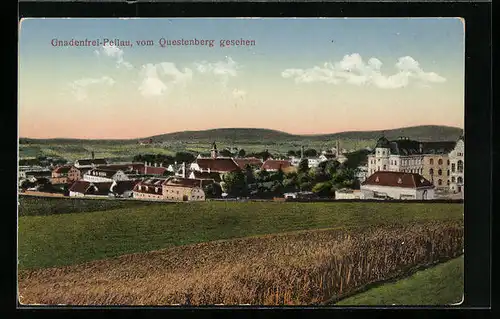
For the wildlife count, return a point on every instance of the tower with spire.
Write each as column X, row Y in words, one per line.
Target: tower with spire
column 213, row 151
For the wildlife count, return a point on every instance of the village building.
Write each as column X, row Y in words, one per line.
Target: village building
column 327, row 156
column 184, row 189
column 271, row 165
column 397, row 185
column 150, row 189
column 105, row 175
column 436, row 170
column 76, row 174
column 123, row 189
column 152, row 169
column 251, row 161
column 33, row 176
column 215, row 177
column 221, row 165
column 90, row 163
column 84, row 188
column 429, row 159
column 457, row 157
column 347, row 194
column 60, row 175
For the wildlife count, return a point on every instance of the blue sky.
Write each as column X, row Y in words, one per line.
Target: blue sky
column 435, row 45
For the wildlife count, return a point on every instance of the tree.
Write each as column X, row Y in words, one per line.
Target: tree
column 184, row 157
column 212, row 190
column 277, row 188
column 242, row 153
column 291, row 153
column 323, row 189
column 167, row 173
column 235, row 184
column 225, row 153
column 303, row 166
column 249, row 174
column 262, row 176
column 310, row 153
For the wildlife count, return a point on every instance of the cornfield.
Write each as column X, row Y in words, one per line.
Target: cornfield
column 300, row 268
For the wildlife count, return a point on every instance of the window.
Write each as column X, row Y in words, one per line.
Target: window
column 431, row 161
column 440, row 182
column 453, row 168
column 440, row 162
column 448, row 173
column 453, row 179
column 460, row 180
column 460, row 166
column 378, row 168
column 379, row 159
column 440, row 172
column 384, row 167
column 448, row 162
column 448, row 183
column 431, row 172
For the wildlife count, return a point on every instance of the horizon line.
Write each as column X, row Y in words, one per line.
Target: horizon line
column 235, row 128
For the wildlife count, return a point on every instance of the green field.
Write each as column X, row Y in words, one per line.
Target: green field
column 440, row 285
column 126, row 152
column 65, row 239
column 37, row 206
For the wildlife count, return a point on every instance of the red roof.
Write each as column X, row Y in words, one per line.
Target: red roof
column 150, row 186
column 397, row 179
column 275, row 164
column 62, row 170
column 186, row 182
column 151, row 170
column 243, row 162
column 80, row 187
column 85, row 187
column 222, row 165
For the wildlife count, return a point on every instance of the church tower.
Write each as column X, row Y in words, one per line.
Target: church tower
column 214, row 151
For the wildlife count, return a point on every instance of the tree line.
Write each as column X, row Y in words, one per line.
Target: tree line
column 323, row 181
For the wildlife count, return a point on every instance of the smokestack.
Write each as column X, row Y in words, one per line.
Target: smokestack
column 161, row 164
column 184, row 169
column 92, row 155
column 156, row 165
column 145, row 167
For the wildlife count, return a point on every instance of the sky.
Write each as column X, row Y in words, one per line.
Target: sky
column 301, row 76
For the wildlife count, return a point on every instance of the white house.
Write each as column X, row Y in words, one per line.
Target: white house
column 397, row 185
column 84, row 188
column 105, row 175
column 456, row 157
column 348, row 194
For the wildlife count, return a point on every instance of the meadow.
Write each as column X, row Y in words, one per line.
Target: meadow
column 71, row 238
column 37, row 206
column 442, row 284
column 298, row 268
column 126, row 151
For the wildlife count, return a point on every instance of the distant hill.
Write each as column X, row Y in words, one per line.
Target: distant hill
column 256, row 135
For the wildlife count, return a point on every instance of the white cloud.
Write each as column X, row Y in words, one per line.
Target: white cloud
column 239, row 94
column 353, row 70
column 222, row 69
column 116, row 53
column 79, row 87
column 157, row 79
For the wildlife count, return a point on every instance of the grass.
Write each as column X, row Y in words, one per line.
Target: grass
column 35, row 206
column 127, row 151
column 298, row 268
column 66, row 239
column 440, row 285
